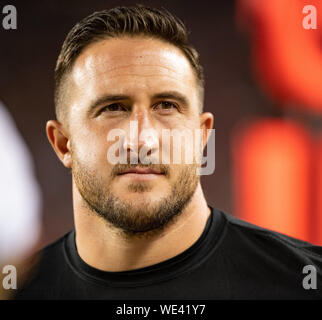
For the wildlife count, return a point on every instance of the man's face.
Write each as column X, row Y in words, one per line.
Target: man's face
column 117, row 82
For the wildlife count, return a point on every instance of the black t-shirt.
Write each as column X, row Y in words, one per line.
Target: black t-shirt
column 232, row 259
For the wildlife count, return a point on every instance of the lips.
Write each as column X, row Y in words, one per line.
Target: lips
column 141, row 171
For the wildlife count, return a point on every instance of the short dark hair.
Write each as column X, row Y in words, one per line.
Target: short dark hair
column 123, row 21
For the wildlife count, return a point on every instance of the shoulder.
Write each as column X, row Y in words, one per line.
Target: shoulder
column 273, row 251
column 266, row 237
column 262, row 263
column 55, row 247
column 52, row 255
column 45, row 269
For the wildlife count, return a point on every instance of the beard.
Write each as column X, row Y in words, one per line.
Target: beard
column 144, row 216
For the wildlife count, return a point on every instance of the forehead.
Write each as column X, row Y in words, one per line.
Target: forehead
column 127, row 64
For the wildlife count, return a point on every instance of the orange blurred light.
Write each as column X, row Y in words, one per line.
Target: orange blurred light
column 287, row 58
column 318, row 193
column 271, row 165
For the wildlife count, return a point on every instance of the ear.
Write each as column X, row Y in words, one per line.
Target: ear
column 206, row 123
column 59, row 140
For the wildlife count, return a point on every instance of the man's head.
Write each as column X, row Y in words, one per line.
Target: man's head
column 117, row 23
column 123, row 66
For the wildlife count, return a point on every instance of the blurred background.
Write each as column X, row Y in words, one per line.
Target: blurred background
column 263, row 73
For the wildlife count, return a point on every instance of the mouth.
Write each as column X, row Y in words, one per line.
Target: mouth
column 141, row 173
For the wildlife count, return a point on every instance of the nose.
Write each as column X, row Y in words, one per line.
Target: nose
column 142, row 140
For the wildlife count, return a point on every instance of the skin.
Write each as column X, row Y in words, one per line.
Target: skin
column 138, row 68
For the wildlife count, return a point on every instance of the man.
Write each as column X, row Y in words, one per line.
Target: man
column 143, row 230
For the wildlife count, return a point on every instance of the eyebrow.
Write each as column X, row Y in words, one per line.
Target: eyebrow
column 174, row 95
column 105, row 99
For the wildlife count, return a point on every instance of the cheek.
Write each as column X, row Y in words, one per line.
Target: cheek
column 183, row 146
column 91, row 150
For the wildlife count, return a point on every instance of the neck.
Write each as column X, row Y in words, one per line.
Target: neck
column 103, row 247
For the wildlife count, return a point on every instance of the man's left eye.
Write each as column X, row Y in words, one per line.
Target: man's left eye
column 165, row 105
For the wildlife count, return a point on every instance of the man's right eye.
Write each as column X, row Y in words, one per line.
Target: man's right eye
column 114, row 107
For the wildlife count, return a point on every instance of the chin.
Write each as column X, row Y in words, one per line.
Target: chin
column 143, row 198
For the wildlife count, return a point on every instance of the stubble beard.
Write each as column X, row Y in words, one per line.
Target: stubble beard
column 129, row 218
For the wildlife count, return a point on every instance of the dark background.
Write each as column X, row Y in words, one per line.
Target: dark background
column 27, row 60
